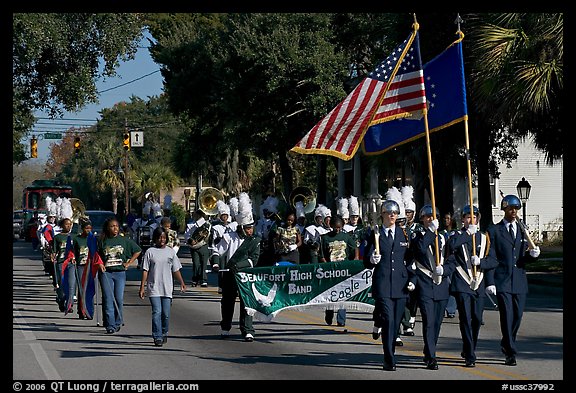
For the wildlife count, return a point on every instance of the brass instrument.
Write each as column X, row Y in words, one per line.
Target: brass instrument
column 78, row 210
column 200, row 235
column 304, row 195
column 208, row 198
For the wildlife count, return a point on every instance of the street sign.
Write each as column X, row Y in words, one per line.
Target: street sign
column 52, row 135
column 136, row 138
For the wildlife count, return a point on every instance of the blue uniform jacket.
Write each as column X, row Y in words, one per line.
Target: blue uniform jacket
column 509, row 276
column 421, row 243
column 488, row 261
column 390, row 276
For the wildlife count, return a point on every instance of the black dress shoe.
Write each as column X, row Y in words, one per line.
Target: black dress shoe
column 389, row 367
column 398, row 342
column 376, row 331
column 329, row 318
column 432, row 364
column 510, row 360
column 470, row 363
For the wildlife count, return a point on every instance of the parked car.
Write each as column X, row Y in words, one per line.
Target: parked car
column 18, row 224
column 97, row 218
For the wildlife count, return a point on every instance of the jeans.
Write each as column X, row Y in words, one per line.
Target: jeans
column 160, row 316
column 113, row 284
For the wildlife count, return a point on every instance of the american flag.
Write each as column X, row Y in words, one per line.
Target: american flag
column 393, row 90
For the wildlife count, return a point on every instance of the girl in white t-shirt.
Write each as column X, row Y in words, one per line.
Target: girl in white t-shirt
column 160, row 264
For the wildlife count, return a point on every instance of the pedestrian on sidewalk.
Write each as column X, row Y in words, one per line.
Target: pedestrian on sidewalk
column 159, row 265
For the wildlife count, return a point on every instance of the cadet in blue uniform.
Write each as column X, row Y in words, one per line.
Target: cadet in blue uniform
column 391, row 280
column 467, row 289
column 509, row 277
column 433, row 284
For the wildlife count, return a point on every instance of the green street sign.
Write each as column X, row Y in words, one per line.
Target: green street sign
column 53, row 135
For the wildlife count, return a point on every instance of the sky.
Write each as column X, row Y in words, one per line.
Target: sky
column 130, row 80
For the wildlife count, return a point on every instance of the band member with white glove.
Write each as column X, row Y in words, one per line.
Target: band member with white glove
column 432, row 281
column 390, row 278
column 468, row 285
column 512, row 252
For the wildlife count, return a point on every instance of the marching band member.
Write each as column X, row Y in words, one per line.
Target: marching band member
column 312, row 235
column 267, row 222
column 242, row 250
column 287, row 239
column 508, row 280
column 217, row 233
column 117, row 252
column 335, row 246
column 467, row 289
column 432, row 282
column 197, row 236
column 388, row 254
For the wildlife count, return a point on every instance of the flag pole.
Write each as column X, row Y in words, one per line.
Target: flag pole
column 468, row 161
column 430, row 172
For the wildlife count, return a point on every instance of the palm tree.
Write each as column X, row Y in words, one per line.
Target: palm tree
column 518, row 73
column 153, row 177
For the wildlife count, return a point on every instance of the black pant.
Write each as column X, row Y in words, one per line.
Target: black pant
column 228, row 303
column 200, row 258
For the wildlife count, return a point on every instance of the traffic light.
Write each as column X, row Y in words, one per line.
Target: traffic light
column 34, row 147
column 126, row 141
column 76, row 144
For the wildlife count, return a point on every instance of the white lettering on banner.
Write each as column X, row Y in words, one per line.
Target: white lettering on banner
column 321, row 273
column 249, row 277
column 295, row 275
column 293, row 288
column 345, row 289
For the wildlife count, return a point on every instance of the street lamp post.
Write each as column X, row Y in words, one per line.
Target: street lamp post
column 523, row 189
column 126, row 195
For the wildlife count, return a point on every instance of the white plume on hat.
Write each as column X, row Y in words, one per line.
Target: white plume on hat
column 51, row 207
column 233, row 203
column 300, row 209
column 318, row 210
column 244, row 216
column 342, row 208
column 407, row 197
column 353, row 206
column 222, row 207
column 157, row 209
column 66, row 209
column 394, row 194
column 270, row 204
column 326, row 212
column 59, row 208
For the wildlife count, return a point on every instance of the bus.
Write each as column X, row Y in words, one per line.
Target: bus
column 34, row 196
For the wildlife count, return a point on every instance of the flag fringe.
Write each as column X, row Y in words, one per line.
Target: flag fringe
column 351, row 306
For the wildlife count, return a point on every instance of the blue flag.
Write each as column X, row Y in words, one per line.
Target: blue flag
column 87, row 281
column 446, row 101
column 68, row 274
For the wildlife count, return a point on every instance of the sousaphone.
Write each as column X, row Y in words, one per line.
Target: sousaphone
column 304, row 195
column 207, row 200
column 78, row 210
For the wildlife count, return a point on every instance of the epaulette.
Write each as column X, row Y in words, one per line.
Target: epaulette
column 487, row 244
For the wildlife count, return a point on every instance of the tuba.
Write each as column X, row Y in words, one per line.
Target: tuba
column 78, row 210
column 304, row 195
column 207, row 200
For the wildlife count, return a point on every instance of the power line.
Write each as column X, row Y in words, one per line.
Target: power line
column 127, row 83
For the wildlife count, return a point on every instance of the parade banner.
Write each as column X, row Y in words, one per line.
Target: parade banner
column 266, row 291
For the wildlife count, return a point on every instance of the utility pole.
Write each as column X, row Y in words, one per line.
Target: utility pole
column 126, row 180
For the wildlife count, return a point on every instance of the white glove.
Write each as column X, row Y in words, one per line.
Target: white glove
column 472, row 229
column 535, row 252
column 491, row 290
column 411, row 287
column 434, row 225
column 439, row 270
column 292, row 247
column 475, row 260
column 375, row 259
column 215, row 267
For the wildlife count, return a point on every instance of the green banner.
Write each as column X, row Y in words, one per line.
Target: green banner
column 266, row 291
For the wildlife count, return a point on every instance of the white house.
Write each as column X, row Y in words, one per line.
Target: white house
column 545, row 206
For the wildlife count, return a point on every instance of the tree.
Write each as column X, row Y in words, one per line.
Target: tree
column 516, row 63
column 57, row 59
